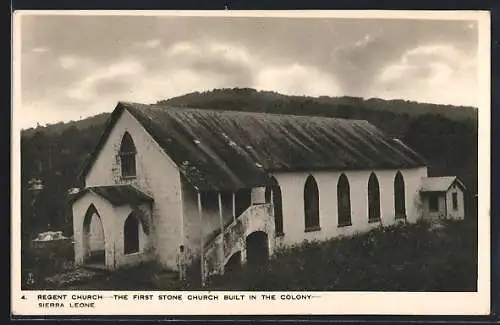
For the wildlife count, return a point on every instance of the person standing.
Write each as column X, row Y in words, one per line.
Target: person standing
column 181, row 263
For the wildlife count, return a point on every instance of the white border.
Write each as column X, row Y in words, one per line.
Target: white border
column 383, row 303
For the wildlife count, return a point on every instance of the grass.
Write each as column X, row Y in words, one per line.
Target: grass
column 406, row 257
column 396, row 258
column 45, row 259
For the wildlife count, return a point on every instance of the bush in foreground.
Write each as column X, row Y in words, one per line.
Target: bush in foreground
column 407, row 257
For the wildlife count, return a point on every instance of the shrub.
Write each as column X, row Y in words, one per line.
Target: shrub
column 403, row 257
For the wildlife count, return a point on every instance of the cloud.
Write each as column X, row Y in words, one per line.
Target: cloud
column 176, row 82
column 149, row 44
column 88, row 87
column 194, row 66
column 181, row 68
column 356, row 61
column 192, row 52
column 436, row 73
column 51, row 110
column 297, row 80
column 171, row 71
column 40, row 50
column 228, row 61
column 70, row 62
column 232, row 64
column 366, row 40
column 95, row 62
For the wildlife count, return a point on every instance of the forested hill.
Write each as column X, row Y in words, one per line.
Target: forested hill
column 247, row 99
column 445, row 135
column 58, row 128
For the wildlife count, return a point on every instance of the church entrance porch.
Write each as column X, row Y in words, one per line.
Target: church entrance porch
column 112, row 227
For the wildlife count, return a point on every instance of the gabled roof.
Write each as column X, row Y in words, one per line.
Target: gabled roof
column 229, row 150
column 116, row 194
column 440, row 184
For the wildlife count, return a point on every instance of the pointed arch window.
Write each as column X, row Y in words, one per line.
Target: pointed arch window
column 127, row 156
column 373, row 199
column 311, row 204
column 399, row 196
column 131, row 235
column 273, row 195
column 343, row 201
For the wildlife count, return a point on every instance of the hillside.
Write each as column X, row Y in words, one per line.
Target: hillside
column 445, row 135
column 247, row 99
column 59, row 128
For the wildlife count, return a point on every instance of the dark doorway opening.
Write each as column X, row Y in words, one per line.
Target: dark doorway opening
column 257, row 248
column 242, row 200
column 131, row 235
column 233, row 264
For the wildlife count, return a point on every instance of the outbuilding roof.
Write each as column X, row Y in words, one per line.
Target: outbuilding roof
column 439, row 184
column 229, row 150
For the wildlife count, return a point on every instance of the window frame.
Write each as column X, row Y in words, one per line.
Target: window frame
column 373, row 179
column 454, row 201
column 311, row 218
column 273, row 195
column 346, row 190
column 399, row 196
column 128, row 162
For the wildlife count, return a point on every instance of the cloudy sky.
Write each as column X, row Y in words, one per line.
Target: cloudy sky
column 77, row 66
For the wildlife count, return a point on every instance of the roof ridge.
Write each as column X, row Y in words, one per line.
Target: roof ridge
column 160, row 107
column 252, row 144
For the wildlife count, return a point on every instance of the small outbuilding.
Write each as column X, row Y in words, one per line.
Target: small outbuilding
column 443, row 197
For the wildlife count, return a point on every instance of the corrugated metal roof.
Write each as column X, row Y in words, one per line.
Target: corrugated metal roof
column 439, row 184
column 217, row 150
column 231, row 150
column 117, row 195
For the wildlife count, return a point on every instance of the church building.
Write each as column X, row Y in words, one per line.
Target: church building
column 232, row 187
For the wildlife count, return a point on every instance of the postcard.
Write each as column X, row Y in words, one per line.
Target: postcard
column 251, row 162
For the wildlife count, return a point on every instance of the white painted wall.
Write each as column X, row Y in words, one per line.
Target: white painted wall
column 258, row 195
column 106, row 213
column 156, row 175
column 210, row 219
column 146, row 249
column 113, row 220
column 292, row 187
column 96, row 238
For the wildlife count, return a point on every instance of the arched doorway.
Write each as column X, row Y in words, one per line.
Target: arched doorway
column 257, row 248
column 273, row 195
column 93, row 238
column 233, row 264
column 131, row 235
